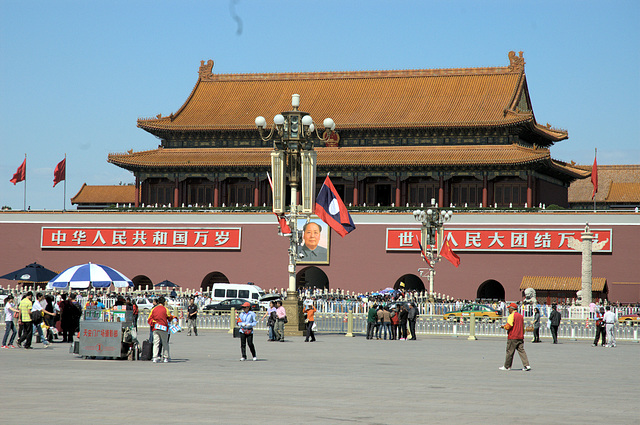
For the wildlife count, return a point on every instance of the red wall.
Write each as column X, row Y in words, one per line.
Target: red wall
column 359, row 261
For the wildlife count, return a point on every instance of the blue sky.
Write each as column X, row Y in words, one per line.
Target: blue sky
column 76, row 75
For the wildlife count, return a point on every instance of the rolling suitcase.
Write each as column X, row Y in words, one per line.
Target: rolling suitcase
column 147, row 350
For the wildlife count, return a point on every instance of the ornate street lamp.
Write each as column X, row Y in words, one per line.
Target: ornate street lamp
column 432, row 235
column 293, row 162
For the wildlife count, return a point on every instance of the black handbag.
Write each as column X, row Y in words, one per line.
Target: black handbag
column 36, row 317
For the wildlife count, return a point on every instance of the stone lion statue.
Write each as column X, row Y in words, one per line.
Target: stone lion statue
column 530, row 296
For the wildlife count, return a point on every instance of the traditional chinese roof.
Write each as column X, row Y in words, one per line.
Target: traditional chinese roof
column 348, row 157
column 554, row 283
column 105, row 195
column 616, row 184
column 422, row 98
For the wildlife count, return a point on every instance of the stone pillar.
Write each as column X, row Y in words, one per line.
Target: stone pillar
column 587, row 267
column 295, row 325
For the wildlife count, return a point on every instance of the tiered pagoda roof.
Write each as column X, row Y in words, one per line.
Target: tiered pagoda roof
column 398, row 99
column 349, row 158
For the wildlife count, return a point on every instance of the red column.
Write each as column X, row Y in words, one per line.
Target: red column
column 485, row 191
column 397, row 191
column 355, row 190
column 441, row 192
column 529, row 190
column 216, row 194
column 256, row 192
column 176, row 194
column 137, row 201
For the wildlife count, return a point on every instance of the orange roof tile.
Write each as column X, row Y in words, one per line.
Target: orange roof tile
column 470, row 97
column 344, row 156
column 105, row 195
column 554, row 283
column 580, row 191
column 624, row 192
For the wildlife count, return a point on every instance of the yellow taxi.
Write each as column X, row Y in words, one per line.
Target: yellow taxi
column 480, row 311
column 629, row 319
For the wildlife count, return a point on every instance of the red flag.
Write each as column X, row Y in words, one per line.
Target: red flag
column 594, row 178
column 447, row 253
column 282, row 221
column 60, row 172
column 424, row 255
column 331, row 209
column 21, row 174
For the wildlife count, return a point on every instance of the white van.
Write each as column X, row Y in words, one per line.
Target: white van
column 224, row 291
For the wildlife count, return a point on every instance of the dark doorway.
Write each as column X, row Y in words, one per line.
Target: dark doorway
column 142, row 283
column 411, row 283
column 312, row 277
column 211, row 278
column 383, row 194
column 490, row 290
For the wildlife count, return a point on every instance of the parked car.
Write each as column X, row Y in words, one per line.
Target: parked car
column 630, row 318
column 3, row 294
column 480, row 310
column 226, row 305
column 144, row 304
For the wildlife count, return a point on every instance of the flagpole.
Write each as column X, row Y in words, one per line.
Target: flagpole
column 64, row 190
column 24, row 206
column 595, row 158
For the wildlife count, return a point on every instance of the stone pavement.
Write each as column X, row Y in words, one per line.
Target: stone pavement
column 332, row 381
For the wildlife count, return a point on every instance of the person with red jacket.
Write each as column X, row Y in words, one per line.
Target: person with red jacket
column 159, row 319
column 515, row 338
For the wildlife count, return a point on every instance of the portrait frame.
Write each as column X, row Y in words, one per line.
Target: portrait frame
column 325, row 240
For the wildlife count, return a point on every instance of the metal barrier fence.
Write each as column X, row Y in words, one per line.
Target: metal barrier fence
column 425, row 325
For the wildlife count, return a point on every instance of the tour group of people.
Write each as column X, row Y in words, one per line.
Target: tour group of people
column 391, row 320
column 47, row 316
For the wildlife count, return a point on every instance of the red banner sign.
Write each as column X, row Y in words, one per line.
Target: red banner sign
column 141, row 237
column 498, row 239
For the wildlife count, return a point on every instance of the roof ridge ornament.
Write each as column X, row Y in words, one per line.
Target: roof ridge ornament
column 205, row 70
column 516, row 63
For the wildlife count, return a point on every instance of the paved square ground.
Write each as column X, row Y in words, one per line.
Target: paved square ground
column 335, row 380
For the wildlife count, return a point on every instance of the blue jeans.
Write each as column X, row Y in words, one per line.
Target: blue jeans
column 272, row 334
column 387, row 326
column 43, row 339
column 9, row 327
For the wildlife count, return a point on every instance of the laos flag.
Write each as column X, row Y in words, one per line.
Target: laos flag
column 331, row 209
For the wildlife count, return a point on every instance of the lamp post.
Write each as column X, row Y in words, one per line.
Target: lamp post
column 293, row 162
column 432, row 235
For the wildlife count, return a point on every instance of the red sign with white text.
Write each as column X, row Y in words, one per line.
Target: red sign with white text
column 141, row 237
column 497, row 239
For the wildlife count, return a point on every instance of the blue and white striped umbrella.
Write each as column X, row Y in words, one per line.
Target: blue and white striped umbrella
column 85, row 275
